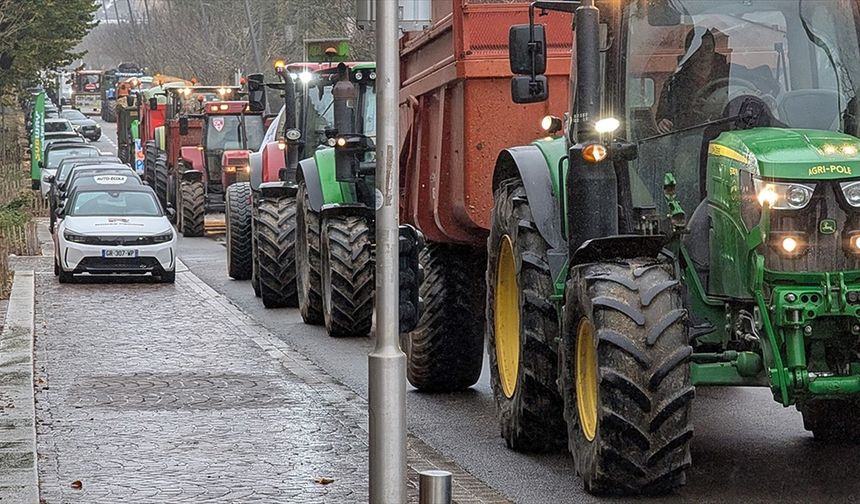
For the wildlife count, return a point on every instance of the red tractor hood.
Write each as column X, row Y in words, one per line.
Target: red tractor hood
column 235, row 157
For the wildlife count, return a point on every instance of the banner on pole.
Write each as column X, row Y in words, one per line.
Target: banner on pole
column 37, row 139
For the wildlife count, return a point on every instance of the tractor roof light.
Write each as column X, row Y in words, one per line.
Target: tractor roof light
column 595, row 153
column 607, row 125
column 280, row 66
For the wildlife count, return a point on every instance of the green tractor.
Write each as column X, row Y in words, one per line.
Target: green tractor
column 695, row 223
column 335, row 209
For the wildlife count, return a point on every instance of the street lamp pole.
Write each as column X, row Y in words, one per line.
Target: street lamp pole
column 387, row 363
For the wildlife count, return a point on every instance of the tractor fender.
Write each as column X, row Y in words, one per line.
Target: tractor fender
column 619, row 247
column 255, row 160
column 308, row 172
column 529, row 165
column 191, row 176
column 277, row 190
column 273, row 160
column 192, row 157
column 348, row 209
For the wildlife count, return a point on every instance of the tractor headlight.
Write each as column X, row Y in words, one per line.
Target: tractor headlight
column 783, row 195
column 851, row 190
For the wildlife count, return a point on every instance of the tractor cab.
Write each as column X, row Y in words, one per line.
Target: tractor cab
column 230, row 132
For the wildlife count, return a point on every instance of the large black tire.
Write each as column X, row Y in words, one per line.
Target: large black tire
column 66, row 276
column 309, row 286
column 276, row 251
column 347, row 267
column 168, row 277
column 630, row 321
column 832, row 420
column 531, row 413
column 238, row 219
column 445, row 352
column 193, row 208
column 255, row 262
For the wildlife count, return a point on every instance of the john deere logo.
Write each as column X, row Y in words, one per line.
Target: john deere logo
column 827, row 226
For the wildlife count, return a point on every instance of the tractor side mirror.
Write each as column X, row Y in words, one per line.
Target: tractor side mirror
column 153, row 103
column 524, row 89
column 527, row 56
column 256, row 93
column 183, row 126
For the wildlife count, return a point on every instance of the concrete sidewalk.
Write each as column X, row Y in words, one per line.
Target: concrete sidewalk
column 169, row 393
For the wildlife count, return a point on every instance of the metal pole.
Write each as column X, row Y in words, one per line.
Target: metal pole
column 387, row 363
column 252, row 31
column 434, row 487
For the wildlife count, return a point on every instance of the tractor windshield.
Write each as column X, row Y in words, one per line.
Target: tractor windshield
column 691, row 63
column 320, row 114
column 368, row 110
column 224, row 132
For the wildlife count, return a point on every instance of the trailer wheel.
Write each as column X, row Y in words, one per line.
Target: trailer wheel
column 625, row 378
column 309, row 283
column 193, row 208
column 833, row 420
column 276, row 252
column 445, row 351
column 522, row 327
column 347, row 275
column 238, row 220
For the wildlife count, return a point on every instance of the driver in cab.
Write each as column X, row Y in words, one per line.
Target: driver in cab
column 701, row 66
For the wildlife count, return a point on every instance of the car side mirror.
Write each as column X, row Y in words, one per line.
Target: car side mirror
column 171, row 212
column 527, row 56
column 59, row 211
column 41, row 164
column 183, row 126
column 50, row 179
column 153, row 103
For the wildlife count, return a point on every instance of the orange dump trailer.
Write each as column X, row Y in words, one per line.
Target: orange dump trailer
column 456, row 112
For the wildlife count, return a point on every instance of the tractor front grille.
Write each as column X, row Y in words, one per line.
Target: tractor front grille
column 822, row 252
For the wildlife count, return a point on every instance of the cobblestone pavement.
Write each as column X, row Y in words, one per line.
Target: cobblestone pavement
column 168, row 393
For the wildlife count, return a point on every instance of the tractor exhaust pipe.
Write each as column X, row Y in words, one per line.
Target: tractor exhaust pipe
column 344, row 96
column 592, row 186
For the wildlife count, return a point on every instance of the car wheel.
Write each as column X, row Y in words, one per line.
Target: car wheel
column 66, row 276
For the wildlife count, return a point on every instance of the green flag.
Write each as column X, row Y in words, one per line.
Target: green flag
column 37, row 140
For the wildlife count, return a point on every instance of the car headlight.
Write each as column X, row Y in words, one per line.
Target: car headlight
column 74, row 237
column 162, row 238
column 851, row 190
column 784, row 195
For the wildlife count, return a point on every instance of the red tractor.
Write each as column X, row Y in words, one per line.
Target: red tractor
column 202, row 150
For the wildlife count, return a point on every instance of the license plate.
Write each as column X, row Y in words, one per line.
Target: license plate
column 119, row 253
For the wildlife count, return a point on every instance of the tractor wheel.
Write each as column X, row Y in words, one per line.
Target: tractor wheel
column 238, row 218
column 832, row 421
column 255, row 259
column 522, row 327
column 445, row 351
column 276, row 252
column 193, row 208
column 309, row 283
column 347, row 267
column 625, row 378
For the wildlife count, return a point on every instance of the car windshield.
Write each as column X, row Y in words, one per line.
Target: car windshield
column 88, row 170
column 73, row 115
column 692, row 63
column 58, row 126
column 54, row 157
column 224, row 132
column 65, row 167
column 114, row 204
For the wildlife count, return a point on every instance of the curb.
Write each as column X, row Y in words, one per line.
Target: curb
column 19, row 480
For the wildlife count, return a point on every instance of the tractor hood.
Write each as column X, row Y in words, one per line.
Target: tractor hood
column 235, row 157
column 791, row 153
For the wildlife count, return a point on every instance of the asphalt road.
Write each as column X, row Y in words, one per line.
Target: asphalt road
column 746, row 448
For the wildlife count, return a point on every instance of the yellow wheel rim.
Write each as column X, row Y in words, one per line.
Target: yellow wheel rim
column 586, row 378
column 507, row 318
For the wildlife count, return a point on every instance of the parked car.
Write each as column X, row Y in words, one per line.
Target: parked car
column 91, row 165
column 82, row 124
column 55, row 153
column 111, row 228
column 63, row 136
column 58, row 125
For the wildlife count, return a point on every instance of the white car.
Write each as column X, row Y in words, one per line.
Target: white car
column 108, row 229
column 54, row 154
